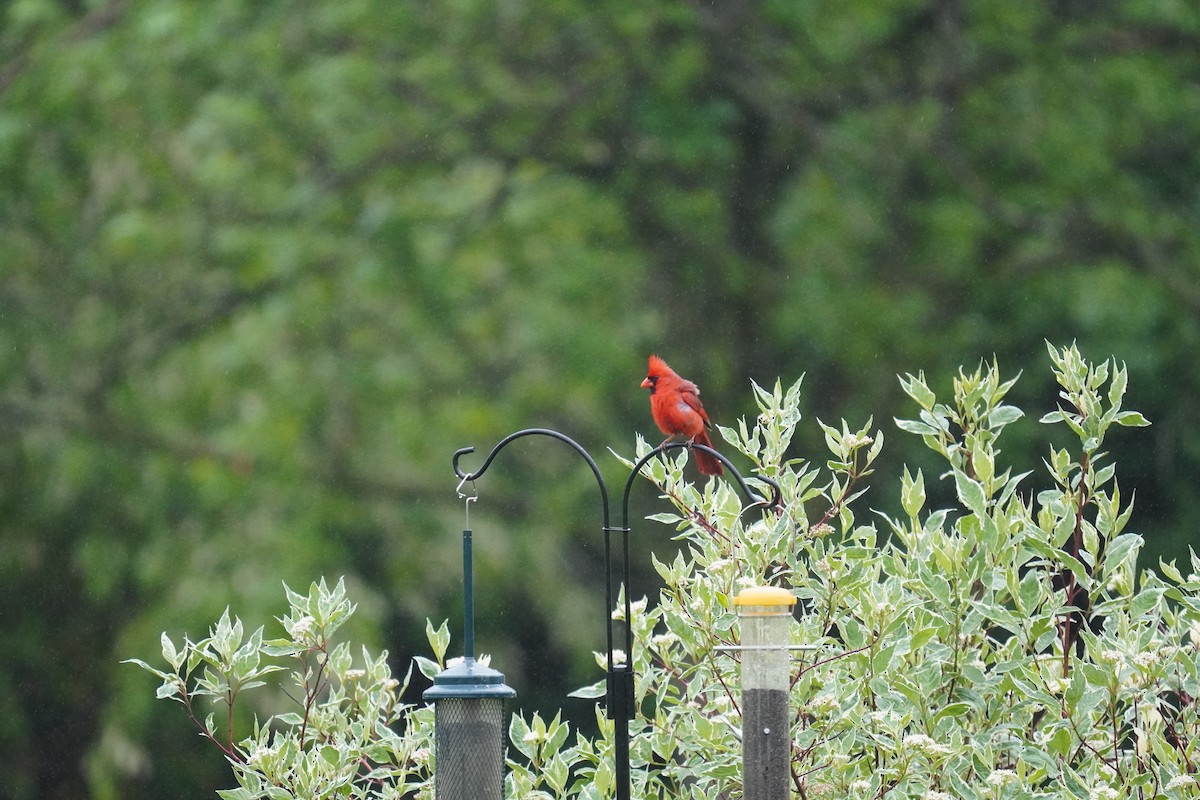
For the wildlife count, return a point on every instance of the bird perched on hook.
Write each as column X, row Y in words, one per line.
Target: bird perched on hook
column 675, row 404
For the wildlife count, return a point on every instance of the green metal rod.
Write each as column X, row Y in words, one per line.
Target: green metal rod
column 468, row 597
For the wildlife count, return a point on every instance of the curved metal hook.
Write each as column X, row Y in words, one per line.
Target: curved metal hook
column 607, row 529
column 459, row 453
column 756, row 500
column 553, row 434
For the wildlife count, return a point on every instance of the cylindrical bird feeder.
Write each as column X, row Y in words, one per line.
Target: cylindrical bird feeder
column 764, row 613
column 468, row 713
column 468, row 702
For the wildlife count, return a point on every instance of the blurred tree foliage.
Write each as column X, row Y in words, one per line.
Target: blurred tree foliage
column 267, row 264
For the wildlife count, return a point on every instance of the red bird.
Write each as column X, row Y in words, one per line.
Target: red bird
column 675, row 404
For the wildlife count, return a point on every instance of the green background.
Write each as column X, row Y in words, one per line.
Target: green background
column 265, row 265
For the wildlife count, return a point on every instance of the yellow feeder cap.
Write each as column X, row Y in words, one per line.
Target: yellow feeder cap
column 765, row 596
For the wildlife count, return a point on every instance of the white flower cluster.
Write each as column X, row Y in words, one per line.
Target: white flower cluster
column 823, row 704
column 301, row 627
column 619, row 657
column 636, row 608
column 823, row 529
column 1181, row 781
column 925, row 745
column 1001, row 777
column 664, row 640
column 851, row 441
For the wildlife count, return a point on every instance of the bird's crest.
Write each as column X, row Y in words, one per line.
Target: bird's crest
column 658, row 367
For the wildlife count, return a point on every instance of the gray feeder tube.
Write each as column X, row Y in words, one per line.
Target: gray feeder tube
column 468, row 706
column 764, row 613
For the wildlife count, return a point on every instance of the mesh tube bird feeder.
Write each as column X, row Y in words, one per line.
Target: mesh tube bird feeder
column 468, row 701
column 764, row 614
column 468, row 706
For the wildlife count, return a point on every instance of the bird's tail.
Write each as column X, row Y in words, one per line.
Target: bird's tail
column 706, row 462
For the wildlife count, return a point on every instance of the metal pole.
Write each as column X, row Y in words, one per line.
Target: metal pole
column 468, row 597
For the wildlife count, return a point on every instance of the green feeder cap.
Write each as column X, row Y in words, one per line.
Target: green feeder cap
column 469, row 679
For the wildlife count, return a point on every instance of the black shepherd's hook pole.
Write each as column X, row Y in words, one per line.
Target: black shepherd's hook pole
column 619, row 677
column 756, row 501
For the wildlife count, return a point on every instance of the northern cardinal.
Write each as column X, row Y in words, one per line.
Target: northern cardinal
column 675, row 404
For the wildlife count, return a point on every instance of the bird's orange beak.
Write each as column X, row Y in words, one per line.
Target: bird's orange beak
column 646, row 383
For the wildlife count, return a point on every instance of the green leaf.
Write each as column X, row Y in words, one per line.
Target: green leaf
column 556, row 735
column 970, row 493
column 282, row 648
column 1030, row 591
column 912, row 493
column 598, row 689
column 940, row 588
column 429, row 669
column 1145, row 600
column 1116, row 389
column 1003, row 415
column 138, row 662
column 1075, row 784
column 169, row 688
column 518, row 734
column 170, row 654
column 915, row 426
column 240, row 793
column 916, row 388
column 439, row 639
column 1120, row 548
column 852, row 633
column 883, row 657
column 922, row 637
column 952, row 710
